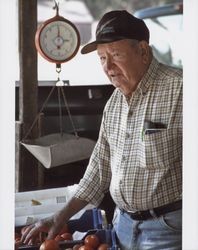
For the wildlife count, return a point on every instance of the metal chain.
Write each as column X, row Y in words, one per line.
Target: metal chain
column 37, row 116
column 58, row 70
column 69, row 113
column 60, row 112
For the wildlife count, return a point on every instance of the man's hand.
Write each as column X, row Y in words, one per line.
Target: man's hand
column 32, row 231
column 53, row 224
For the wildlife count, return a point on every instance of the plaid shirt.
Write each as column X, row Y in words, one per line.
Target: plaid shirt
column 142, row 171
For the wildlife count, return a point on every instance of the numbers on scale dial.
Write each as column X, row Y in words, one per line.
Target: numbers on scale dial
column 59, row 40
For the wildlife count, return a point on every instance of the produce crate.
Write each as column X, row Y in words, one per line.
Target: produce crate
column 91, row 222
column 44, row 196
column 91, row 219
column 31, row 206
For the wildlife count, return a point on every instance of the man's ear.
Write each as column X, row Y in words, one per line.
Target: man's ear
column 145, row 50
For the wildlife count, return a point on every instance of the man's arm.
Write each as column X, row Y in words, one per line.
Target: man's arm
column 54, row 223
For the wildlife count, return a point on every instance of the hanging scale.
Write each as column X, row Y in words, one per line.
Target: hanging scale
column 58, row 40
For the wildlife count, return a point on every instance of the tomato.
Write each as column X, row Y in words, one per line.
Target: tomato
column 103, row 246
column 17, row 243
column 17, row 235
column 77, row 246
column 67, row 236
column 49, row 245
column 18, row 240
column 92, row 240
column 59, row 238
column 86, row 247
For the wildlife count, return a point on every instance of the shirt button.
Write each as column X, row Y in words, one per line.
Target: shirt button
column 127, row 135
column 130, row 112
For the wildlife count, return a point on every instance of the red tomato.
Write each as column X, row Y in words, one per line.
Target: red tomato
column 17, row 239
column 77, row 246
column 67, row 236
column 92, row 241
column 86, row 247
column 17, row 235
column 59, row 238
column 17, row 245
column 103, row 246
column 49, row 245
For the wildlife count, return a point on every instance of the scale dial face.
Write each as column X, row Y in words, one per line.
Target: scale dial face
column 57, row 40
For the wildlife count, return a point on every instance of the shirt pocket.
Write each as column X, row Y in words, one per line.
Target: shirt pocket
column 160, row 150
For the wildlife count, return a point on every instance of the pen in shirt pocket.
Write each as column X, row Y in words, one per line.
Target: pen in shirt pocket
column 152, row 127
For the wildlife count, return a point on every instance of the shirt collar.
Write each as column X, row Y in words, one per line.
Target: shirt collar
column 146, row 81
column 148, row 77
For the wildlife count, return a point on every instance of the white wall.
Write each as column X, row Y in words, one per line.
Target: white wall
column 190, row 172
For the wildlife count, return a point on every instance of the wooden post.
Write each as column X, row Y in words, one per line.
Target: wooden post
column 28, row 91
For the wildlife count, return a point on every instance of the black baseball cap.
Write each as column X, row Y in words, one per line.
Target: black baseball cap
column 117, row 25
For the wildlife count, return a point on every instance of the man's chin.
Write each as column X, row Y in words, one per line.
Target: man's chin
column 116, row 84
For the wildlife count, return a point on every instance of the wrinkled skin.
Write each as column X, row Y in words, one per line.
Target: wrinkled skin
column 125, row 62
column 53, row 224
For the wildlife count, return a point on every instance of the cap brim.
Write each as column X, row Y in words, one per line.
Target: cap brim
column 93, row 45
column 89, row 47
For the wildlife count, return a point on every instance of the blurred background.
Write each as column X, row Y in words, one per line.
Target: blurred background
column 165, row 24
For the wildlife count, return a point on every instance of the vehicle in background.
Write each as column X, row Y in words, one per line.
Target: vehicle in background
column 165, row 24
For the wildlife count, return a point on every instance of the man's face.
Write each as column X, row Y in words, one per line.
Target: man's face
column 123, row 63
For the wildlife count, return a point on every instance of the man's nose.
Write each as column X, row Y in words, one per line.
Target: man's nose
column 108, row 64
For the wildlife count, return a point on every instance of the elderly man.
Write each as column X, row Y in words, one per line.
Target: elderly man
column 138, row 155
